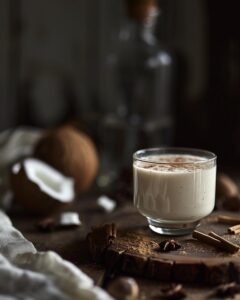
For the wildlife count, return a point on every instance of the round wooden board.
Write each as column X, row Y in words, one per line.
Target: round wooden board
column 135, row 252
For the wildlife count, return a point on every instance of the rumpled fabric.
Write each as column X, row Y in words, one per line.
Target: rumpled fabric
column 28, row 274
column 15, row 144
column 25, row 273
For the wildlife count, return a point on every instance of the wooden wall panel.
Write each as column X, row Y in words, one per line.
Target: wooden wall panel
column 7, row 62
column 60, row 55
column 66, row 43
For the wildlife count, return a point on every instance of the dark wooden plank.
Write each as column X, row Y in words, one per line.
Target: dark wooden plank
column 71, row 244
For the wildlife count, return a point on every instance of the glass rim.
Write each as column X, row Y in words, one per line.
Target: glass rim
column 210, row 156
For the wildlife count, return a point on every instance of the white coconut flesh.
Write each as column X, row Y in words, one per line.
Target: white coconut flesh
column 49, row 180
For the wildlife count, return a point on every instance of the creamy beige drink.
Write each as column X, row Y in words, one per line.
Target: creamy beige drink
column 173, row 188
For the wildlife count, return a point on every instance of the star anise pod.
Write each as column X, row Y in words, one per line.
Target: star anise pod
column 168, row 245
column 174, row 292
column 227, row 290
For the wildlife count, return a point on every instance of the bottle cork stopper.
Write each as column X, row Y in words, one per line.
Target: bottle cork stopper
column 139, row 10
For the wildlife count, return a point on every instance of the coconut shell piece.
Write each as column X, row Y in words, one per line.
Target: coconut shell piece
column 71, row 152
column 41, row 189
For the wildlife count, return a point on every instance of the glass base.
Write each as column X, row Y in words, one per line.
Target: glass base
column 172, row 228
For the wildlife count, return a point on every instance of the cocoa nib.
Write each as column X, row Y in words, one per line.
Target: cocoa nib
column 174, row 292
column 47, row 225
column 168, row 245
column 227, row 290
column 100, row 238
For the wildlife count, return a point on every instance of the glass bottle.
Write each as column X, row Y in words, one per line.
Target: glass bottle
column 144, row 76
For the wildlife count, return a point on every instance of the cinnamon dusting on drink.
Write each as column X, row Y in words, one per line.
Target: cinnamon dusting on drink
column 173, row 163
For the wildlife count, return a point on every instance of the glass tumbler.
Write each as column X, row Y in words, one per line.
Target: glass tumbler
column 174, row 188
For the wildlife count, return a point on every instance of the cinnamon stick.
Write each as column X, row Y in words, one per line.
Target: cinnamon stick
column 215, row 240
column 234, row 229
column 229, row 246
column 202, row 237
column 228, row 220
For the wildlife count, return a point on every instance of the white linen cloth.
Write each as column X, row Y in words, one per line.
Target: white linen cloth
column 25, row 273
column 28, row 274
column 15, row 144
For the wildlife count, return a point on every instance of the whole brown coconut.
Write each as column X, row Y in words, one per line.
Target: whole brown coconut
column 72, row 153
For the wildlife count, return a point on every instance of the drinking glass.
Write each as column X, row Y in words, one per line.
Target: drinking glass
column 174, row 188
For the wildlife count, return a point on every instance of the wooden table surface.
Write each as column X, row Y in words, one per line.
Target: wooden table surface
column 71, row 244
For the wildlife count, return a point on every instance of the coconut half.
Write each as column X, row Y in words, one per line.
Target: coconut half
column 40, row 188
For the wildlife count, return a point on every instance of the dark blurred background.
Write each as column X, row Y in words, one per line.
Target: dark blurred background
column 61, row 61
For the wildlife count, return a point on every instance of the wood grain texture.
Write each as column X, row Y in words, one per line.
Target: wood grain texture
column 194, row 262
column 71, row 244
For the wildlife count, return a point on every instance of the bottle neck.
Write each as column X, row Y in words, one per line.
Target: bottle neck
column 149, row 25
column 144, row 30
